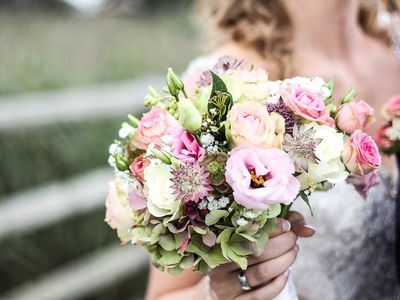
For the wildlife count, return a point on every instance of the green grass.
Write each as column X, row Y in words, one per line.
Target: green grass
column 45, row 51
column 33, row 156
column 26, row 256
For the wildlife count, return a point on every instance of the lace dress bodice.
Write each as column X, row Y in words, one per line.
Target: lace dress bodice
column 352, row 254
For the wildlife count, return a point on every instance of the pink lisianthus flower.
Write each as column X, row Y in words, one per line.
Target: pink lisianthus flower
column 260, row 177
column 361, row 155
column 153, row 126
column 306, row 104
column 392, row 108
column 354, row 115
column 137, row 199
column 186, row 148
column 363, row 184
column 138, row 165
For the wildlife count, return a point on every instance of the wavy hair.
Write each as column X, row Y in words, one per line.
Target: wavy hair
column 265, row 26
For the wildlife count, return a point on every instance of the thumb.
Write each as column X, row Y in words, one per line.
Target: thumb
column 299, row 226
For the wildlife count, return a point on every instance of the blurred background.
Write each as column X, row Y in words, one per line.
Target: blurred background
column 70, row 71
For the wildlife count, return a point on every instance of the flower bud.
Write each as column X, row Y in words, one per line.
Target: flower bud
column 161, row 155
column 175, row 80
column 171, row 87
column 133, row 120
column 189, row 116
column 350, row 95
column 121, row 163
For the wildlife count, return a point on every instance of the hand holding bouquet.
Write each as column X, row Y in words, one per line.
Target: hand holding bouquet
column 200, row 180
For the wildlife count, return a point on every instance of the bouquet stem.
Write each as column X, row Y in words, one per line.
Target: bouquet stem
column 285, row 210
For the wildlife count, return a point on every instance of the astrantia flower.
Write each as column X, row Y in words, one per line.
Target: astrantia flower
column 224, row 64
column 287, row 115
column 191, row 182
column 301, row 146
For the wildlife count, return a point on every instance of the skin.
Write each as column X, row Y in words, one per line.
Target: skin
column 266, row 271
column 329, row 42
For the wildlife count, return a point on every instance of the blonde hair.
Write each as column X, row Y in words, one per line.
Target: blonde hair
column 264, row 25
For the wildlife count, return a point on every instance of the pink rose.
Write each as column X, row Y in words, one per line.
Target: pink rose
column 186, row 148
column 153, row 126
column 355, row 115
column 137, row 199
column 138, row 166
column 392, row 108
column 361, row 155
column 306, row 104
column 363, row 184
column 382, row 138
column 260, row 177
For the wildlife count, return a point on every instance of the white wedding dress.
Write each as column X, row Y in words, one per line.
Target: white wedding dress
column 351, row 255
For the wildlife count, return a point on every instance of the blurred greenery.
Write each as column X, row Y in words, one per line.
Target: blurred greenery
column 55, row 50
column 25, row 256
column 32, row 156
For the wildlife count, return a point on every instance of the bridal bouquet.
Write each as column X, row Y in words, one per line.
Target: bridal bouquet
column 200, row 179
column 388, row 136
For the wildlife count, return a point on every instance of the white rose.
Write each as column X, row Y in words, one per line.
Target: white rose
column 247, row 85
column 328, row 152
column 119, row 214
column 160, row 199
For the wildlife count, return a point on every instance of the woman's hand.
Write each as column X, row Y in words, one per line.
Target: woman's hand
column 267, row 274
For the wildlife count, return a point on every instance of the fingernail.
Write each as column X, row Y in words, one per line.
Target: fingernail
column 310, row 227
column 286, row 225
column 287, row 272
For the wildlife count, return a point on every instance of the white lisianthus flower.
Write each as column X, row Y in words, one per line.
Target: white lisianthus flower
column 160, row 199
column 247, row 85
column 328, row 152
column 126, row 130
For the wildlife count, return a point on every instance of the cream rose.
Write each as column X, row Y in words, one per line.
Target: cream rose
column 251, row 123
column 247, row 85
column 160, row 199
column 119, row 214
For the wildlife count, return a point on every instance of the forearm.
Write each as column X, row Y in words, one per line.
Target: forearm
column 196, row 291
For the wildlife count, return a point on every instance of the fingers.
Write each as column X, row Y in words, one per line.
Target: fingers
column 283, row 225
column 275, row 247
column 263, row 272
column 268, row 292
column 298, row 225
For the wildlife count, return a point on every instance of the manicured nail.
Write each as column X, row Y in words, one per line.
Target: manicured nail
column 286, row 225
column 287, row 272
column 310, row 227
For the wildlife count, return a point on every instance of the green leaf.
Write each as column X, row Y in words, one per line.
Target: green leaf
column 167, row 242
column 187, row 262
column 242, row 249
column 273, row 211
column 261, row 241
column 215, row 215
column 225, row 235
column 307, row 201
column 170, row 258
column 199, row 230
column 248, row 237
column 175, row 271
column 240, row 260
column 216, row 256
column 238, row 238
column 179, row 239
column 218, row 85
column 155, row 234
column 202, row 267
